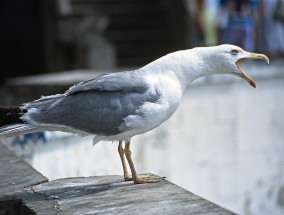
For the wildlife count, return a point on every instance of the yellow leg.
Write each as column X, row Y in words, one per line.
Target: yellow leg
column 135, row 177
column 127, row 177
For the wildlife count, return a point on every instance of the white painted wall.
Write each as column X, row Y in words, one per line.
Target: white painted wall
column 225, row 143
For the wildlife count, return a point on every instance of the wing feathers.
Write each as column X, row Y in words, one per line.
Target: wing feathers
column 16, row 129
column 97, row 106
column 122, row 81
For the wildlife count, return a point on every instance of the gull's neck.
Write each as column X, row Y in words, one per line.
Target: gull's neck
column 186, row 66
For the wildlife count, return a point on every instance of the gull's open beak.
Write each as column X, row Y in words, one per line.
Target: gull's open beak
column 252, row 56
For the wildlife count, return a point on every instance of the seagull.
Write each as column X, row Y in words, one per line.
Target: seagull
column 118, row 106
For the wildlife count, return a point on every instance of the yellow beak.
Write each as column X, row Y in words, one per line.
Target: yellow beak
column 252, row 56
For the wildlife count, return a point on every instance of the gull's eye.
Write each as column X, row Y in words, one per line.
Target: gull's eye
column 234, row 51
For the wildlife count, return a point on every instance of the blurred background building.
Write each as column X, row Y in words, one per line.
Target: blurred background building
column 59, row 35
column 72, row 34
column 226, row 141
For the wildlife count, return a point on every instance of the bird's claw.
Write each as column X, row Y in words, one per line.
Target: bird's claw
column 143, row 180
column 147, row 178
column 128, row 178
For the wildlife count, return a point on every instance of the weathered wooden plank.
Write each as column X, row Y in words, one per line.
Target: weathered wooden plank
column 111, row 195
column 15, row 176
column 15, row 173
column 23, row 190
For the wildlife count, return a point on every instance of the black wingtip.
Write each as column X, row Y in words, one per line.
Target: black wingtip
column 11, row 115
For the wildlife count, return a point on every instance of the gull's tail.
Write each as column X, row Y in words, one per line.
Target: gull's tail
column 20, row 120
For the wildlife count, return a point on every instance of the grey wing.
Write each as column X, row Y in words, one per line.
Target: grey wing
column 97, row 106
column 121, row 81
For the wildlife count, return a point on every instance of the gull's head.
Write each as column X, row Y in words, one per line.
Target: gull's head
column 226, row 59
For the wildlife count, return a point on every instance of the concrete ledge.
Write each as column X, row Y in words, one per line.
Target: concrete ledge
column 23, row 190
column 15, row 174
